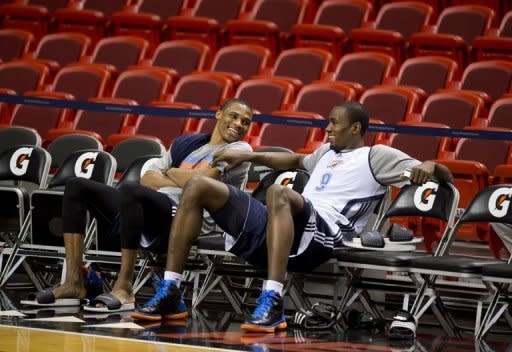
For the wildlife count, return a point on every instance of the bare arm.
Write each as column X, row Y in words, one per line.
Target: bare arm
column 277, row 161
column 424, row 171
column 156, row 180
column 181, row 176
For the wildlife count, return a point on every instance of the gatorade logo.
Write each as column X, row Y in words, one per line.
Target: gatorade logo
column 20, row 160
column 286, row 179
column 499, row 201
column 84, row 165
column 425, row 196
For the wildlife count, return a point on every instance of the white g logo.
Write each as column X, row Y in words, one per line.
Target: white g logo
column 499, row 201
column 425, row 196
column 286, row 179
column 20, row 160
column 84, row 165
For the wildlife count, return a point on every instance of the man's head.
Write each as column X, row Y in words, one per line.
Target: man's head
column 348, row 121
column 233, row 120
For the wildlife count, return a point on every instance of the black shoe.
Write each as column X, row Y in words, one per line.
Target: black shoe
column 403, row 326
column 167, row 303
column 268, row 315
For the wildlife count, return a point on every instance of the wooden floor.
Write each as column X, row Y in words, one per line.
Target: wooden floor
column 22, row 339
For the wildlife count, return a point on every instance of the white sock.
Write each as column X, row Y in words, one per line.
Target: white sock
column 171, row 275
column 271, row 285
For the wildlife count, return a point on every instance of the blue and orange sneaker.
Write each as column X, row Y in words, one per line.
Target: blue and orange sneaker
column 268, row 315
column 167, row 303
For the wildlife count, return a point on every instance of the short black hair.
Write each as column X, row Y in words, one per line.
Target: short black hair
column 356, row 112
column 231, row 101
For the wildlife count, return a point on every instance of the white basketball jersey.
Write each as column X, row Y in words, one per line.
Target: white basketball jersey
column 344, row 191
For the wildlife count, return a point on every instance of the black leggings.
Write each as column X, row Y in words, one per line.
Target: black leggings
column 128, row 211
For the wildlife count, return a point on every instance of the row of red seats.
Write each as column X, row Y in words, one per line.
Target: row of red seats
column 339, row 26
column 302, row 65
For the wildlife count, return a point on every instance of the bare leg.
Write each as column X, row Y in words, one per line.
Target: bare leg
column 73, row 286
column 282, row 204
column 199, row 193
column 123, row 288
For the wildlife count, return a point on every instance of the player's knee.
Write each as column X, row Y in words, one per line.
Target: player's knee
column 129, row 192
column 195, row 187
column 75, row 186
column 277, row 197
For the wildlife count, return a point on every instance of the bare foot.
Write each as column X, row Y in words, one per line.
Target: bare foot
column 70, row 291
column 122, row 295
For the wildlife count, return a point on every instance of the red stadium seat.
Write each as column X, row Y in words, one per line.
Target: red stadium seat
column 394, row 25
column 267, row 23
column 204, row 21
column 14, row 43
column 59, row 49
column 22, row 76
column 364, row 70
column 83, row 81
column 142, row 85
column 454, row 33
column 334, row 21
column 90, row 17
column 496, row 44
column 146, row 19
column 389, row 104
column 118, row 53
column 500, row 114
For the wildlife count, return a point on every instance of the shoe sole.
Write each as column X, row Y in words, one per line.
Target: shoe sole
column 258, row 328
column 175, row 316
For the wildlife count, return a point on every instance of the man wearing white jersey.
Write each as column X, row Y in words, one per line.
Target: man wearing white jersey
column 294, row 231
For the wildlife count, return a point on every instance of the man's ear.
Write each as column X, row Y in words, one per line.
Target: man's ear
column 218, row 114
column 356, row 128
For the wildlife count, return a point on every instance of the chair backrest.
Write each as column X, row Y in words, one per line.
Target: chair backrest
column 90, row 164
column 14, row 136
column 131, row 149
column 211, row 9
column 427, row 72
column 321, row 97
column 41, row 118
column 421, row 147
column 265, row 94
column 346, row 14
column 466, row 21
column 61, row 147
column 365, row 68
column 432, row 199
column 389, row 104
column 132, row 172
column 184, row 56
column 50, row 5
column 107, row 8
column 505, row 29
column 22, row 76
column 82, row 81
column 295, row 179
column 500, row 114
column 120, row 51
column 62, row 47
column 284, row 13
column 25, row 163
column 163, row 9
column 404, row 17
column 204, row 89
column 492, row 204
column 493, row 77
column 245, row 60
column 489, row 152
column 155, row 85
column 104, row 123
column 14, row 43
column 455, row 109
column 305, row 64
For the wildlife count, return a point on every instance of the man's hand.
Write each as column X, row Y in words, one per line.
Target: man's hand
column 232, row 158
column 422, row 173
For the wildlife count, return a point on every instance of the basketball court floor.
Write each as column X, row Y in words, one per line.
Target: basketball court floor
column 208, row 328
